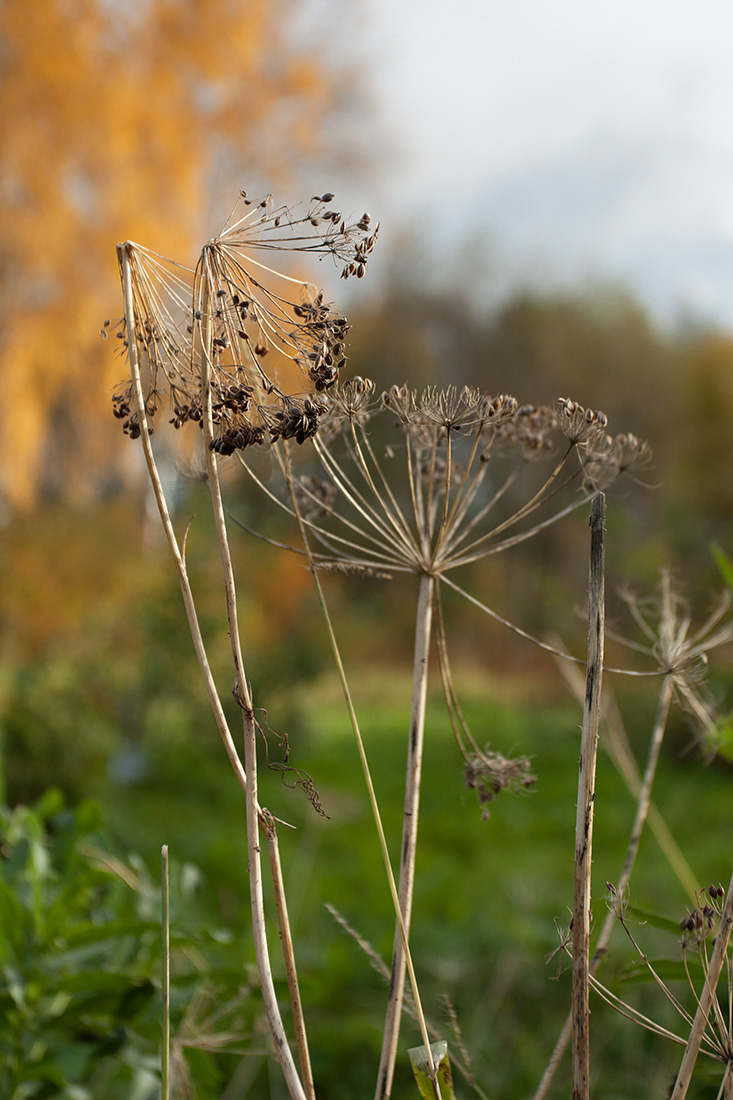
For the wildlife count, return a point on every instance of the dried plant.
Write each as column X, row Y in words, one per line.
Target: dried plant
column 252, row 356
column 706, row 931
column 430, row 505
column 680, row 655
column 196, row 341
column 257, row 330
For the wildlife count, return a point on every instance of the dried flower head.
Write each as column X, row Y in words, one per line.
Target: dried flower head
column 240, row 330
column 681, row 653
column 315, row 496
column 451, row 408
column 532, row 429
column 446, row 504
column 612, row 456
column 488, row 773
column 580, row 425
column 351, row 403
column 401, row 401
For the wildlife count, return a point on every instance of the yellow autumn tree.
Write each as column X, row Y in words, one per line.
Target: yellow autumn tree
column 129, row 121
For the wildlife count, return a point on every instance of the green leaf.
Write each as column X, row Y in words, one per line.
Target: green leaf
column 418, row 1058
column 657, row 920
column 725, row 565
column 669, row 970
column 88, row 933
column 135, row 999
column 49, row 804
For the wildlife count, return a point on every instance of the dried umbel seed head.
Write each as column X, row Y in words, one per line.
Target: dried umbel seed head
column 488, row 773
column 450, row 408
column 315, row 496
column 229, row 325
column 580, row 425
column 401, row 400
column 612, row 456
column 531, row 428
column 494, row 410
column 298, row 420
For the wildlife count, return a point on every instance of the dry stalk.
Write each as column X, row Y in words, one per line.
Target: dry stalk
column 243, row 696
column 707, row 998
column 165, row 1058
column 402, row 926
column 301, row 1038
column 409, row 834
column 586, row 796
column 249, row 770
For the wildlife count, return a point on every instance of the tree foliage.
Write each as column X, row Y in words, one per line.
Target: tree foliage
column 128, row 122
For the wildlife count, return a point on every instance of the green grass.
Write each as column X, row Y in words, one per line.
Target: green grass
column 488, row 893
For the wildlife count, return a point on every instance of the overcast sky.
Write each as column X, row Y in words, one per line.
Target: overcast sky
column 589, row 138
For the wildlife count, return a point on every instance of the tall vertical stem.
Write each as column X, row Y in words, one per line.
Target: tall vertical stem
column 243, row 696
column 423, row 629
column 643, row 805
column 165, row 1058
column 586, row 797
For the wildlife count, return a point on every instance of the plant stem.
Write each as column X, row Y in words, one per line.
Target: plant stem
column 243, row 696
column 712, row 975
column 433, row 1071
column 288, row 954
column 165, row 1061
column 643, row 808
column 586, row 796
column 409, row 833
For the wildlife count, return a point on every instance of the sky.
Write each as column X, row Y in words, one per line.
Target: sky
column 586, row 140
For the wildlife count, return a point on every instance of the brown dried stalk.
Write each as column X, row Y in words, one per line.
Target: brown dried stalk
column 246, row 775
column 409, row 834
column 586, row 796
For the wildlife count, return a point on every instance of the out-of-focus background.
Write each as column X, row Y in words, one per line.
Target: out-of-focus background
column 555, row 190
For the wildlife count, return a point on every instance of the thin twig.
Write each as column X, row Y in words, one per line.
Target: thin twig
column 586, row 796
column 289, row 955
column 165, row 1060
column 718, row 957
column 641, row 789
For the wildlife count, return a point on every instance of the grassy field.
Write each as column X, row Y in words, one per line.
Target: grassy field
column 489, row 894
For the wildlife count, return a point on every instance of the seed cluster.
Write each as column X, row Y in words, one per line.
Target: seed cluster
column 698, row 924
column 579, row 424
column 233, row 327
column 488, row 773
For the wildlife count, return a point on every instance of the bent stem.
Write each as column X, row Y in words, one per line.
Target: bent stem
column 586, row 796
column 409, row 833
